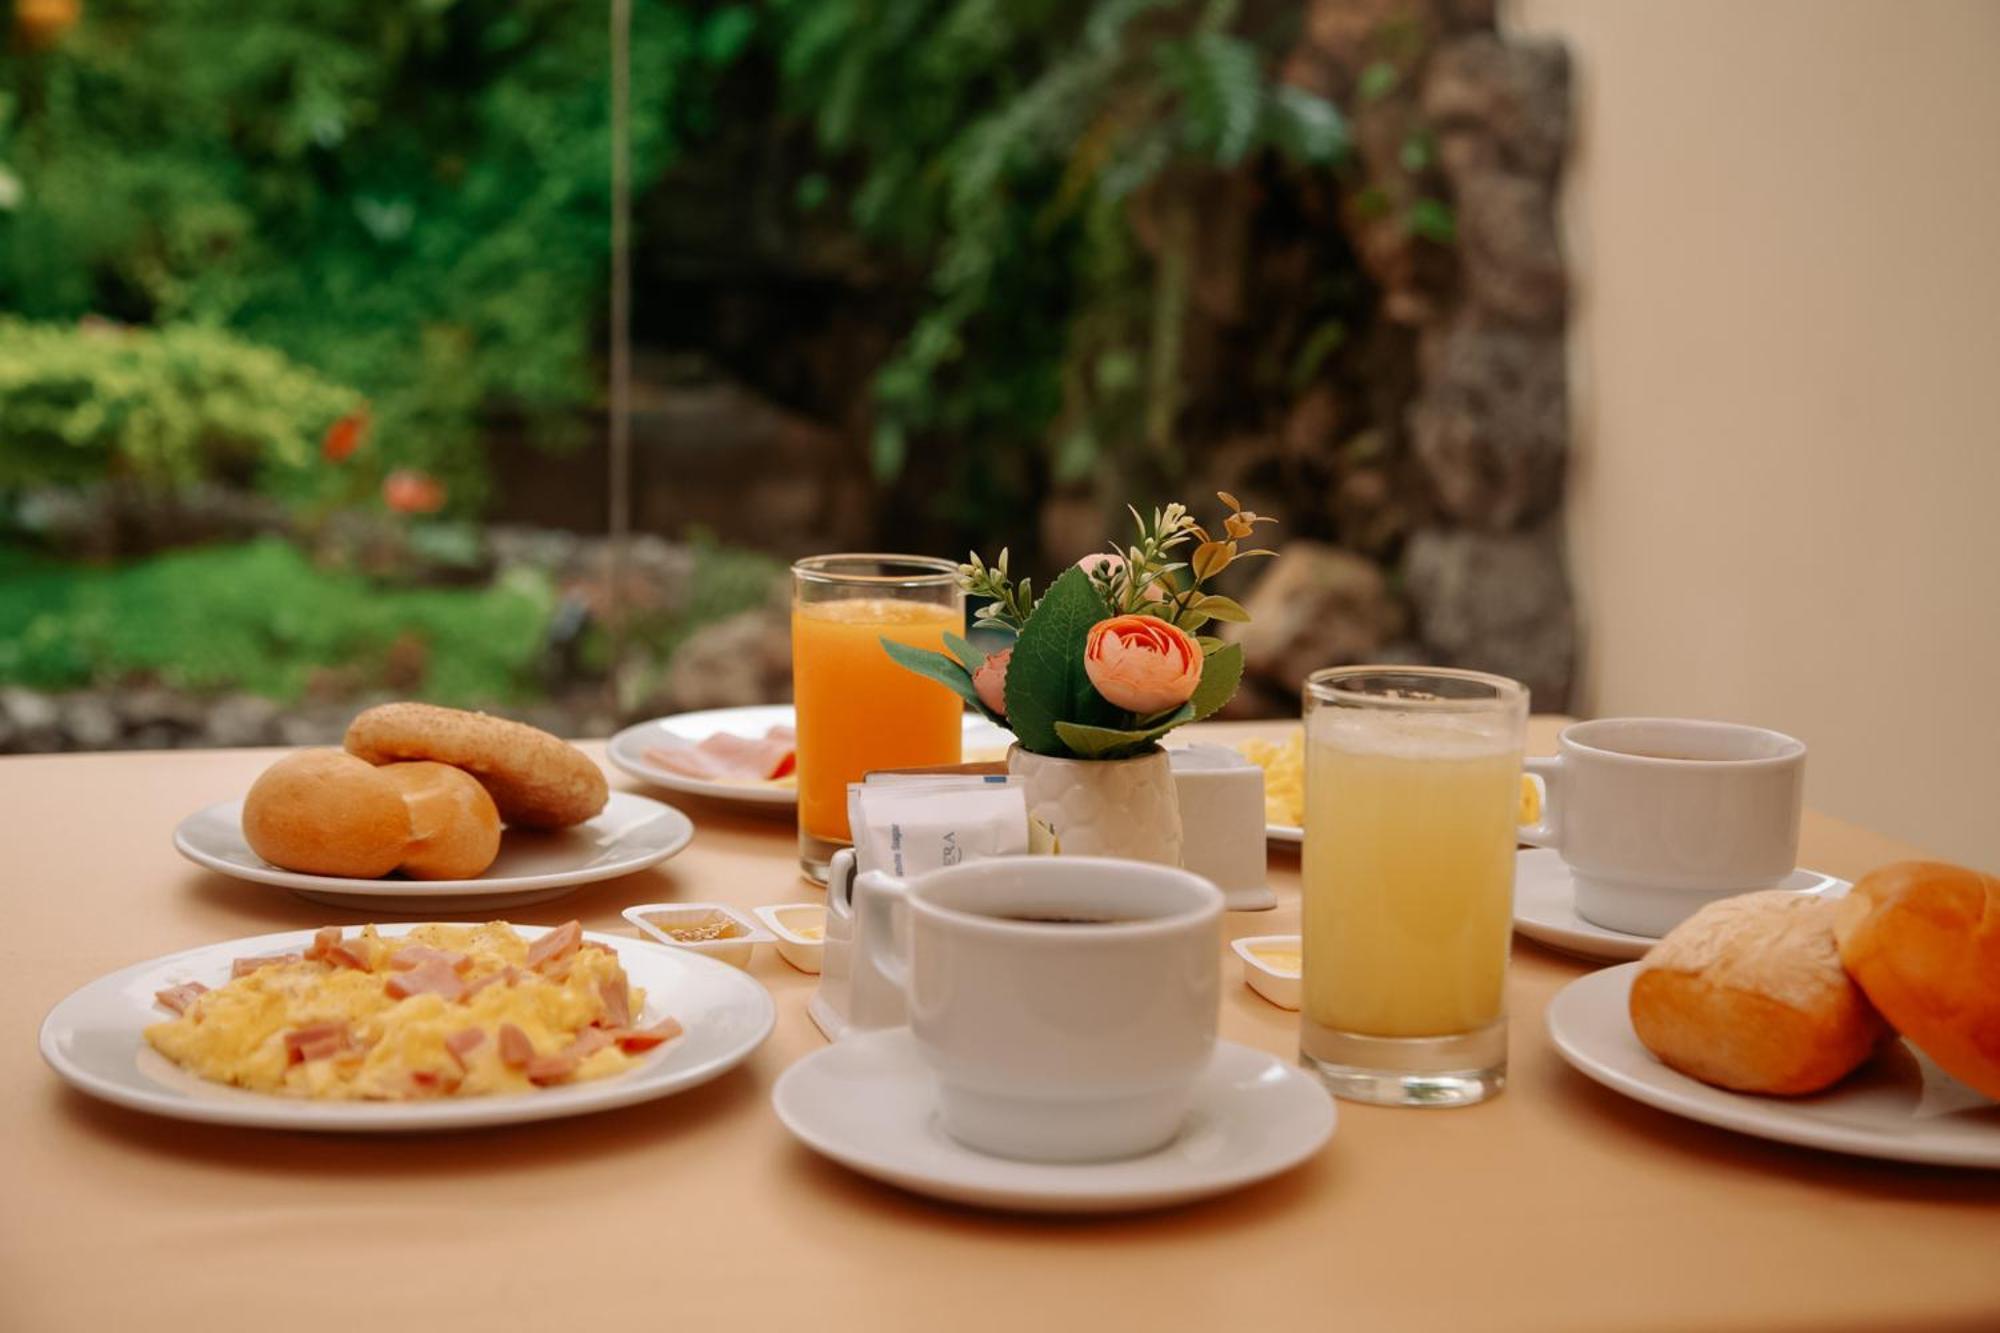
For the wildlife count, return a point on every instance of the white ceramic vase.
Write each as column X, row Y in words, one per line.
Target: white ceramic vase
column 1103, row 807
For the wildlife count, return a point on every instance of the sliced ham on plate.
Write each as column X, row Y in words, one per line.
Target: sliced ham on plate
column 726, row 757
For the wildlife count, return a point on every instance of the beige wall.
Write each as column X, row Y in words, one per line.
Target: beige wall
column 1785, row 506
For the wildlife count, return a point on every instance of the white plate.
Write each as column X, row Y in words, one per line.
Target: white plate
column 1899, row 1106
column 630, row 833
column 1290, row 834
column 627, row 750
column 868, row 1103
column 1545, row 908
column 95, row 1040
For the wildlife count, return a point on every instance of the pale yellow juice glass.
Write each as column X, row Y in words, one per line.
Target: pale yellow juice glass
column 1413, row 779
column 857, row 709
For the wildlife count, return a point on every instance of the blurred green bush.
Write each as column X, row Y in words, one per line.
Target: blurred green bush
column 411, row 199
column 158, row 408
column 261, row 617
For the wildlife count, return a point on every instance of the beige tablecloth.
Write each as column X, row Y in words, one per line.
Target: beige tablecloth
column 1558, row 1206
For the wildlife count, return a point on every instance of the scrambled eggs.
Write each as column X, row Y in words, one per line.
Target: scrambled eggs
column 1284, row 765
column 443, row 1010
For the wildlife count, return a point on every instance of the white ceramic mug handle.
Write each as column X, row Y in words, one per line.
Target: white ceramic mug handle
column 1547, row 831
column 884, row 928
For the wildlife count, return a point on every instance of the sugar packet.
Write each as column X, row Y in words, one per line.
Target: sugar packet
column 904, row 826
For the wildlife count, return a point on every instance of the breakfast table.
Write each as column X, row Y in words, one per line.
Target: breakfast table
column 1559, row 1205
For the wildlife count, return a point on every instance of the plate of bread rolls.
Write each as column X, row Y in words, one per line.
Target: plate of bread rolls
column 1867, row 1024
column 436, row 806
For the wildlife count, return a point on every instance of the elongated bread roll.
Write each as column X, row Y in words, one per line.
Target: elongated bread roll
column 1923, row 940
column 1749, row 994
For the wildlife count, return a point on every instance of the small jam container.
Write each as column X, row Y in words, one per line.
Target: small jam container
column 1271, row 967
column 801, row 932
column 722, row 932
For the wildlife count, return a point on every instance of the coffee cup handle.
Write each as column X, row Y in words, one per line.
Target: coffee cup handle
column 884, row 927
column 1547, row 831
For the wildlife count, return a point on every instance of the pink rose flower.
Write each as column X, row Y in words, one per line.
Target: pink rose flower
column 990, row 681
column 1142, row 664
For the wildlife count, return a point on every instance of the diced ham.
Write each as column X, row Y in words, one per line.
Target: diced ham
column 413, row 955
column 555, row 945
column 316, row 1041
column 464, row 1042
column 178, row 998
column 632, row 1041
column 515, row 1048
column 617, row 997
column 426, row 978
column 546, row 1069
column 243, row 967
column 588, row 1042
column 434, row 1082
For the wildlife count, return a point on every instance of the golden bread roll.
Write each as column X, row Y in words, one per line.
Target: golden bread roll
column 535, row 779
column 454, row 827
column 1749, row 994
column 324, row 812
column 1923, row 940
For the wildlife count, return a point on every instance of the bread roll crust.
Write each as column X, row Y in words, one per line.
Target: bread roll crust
column 454, row 827
column 1749, row 994
column 323, row 812
column 535, row 779
column 1922, row 938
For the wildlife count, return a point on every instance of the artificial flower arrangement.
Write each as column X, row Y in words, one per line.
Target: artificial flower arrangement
column 1110, row 658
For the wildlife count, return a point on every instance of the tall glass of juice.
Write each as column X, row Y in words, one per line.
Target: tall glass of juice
column 858, row 710
column 1413, row 779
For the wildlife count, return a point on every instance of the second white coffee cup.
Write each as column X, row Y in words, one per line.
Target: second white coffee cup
column 1067, row 1004
column 1657, row 816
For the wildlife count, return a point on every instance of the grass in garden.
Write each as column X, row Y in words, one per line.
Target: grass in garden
column 261, row 617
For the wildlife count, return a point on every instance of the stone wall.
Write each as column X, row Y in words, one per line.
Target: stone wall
column 1448, row 541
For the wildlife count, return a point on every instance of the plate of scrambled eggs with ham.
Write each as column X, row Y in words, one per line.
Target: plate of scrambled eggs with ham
column 406, row 1027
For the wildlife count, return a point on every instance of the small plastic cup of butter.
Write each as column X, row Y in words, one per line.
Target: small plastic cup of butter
column 800, row 929
column 722, row 932
column 1271, row 967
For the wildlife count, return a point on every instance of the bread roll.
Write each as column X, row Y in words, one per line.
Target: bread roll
column 326, row 813
column 454, row 827
column 1749, row 994
column 1923, row 940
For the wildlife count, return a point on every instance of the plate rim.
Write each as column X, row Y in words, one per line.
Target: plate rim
column 732, row 792
column 301, row 1114
column 1740, row 1113
column 1043, row 1199
column 412, row 890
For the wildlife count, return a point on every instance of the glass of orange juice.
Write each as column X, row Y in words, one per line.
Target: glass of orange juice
column 858, row 710
column 1413, row 782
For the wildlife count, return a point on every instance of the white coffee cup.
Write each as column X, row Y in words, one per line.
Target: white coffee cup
column 1067, row 1004
column 1656, row 817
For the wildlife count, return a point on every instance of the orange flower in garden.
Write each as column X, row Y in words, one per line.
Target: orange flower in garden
column 1142, row 664
column 344, row 436
column 411, row 492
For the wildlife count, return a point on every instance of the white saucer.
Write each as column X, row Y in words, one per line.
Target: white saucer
column 1545, row 908
column 868, row 1103
column 627, row 750
column 630, row 833
column 95, row 1039
column 1291, row 835
column 1898, row 1106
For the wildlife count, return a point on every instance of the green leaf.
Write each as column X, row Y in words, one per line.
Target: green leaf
column 1377, row 81
column 934, row 666
column 1432, row 219
column 1305, row 127
column 1221, row 673
column 887, row 450
column 1223, row 608
column 1221, row 82
column 1046, row 683
column 971, row 658
column 1119, row 742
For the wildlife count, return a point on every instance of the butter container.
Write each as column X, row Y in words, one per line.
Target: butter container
column 800, row 929
column 722, row 932
column 1271, row 967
